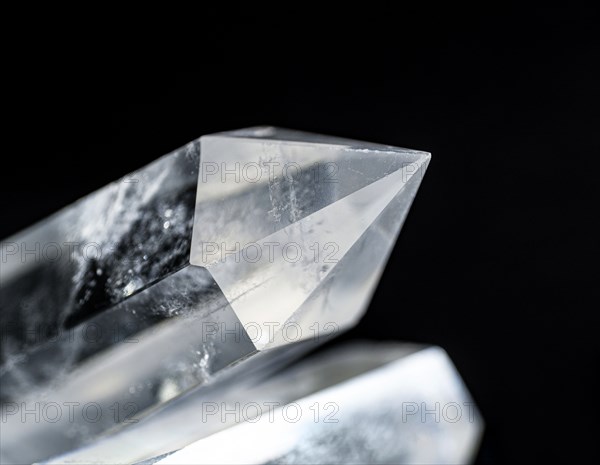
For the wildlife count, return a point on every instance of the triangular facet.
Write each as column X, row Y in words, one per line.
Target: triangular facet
column 342, row 297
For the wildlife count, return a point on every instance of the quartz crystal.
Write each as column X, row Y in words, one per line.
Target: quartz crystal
column 360, row 403
column 413, row 408
column 229, row 256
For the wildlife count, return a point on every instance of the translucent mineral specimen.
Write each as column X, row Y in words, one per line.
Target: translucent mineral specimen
column 151, row 287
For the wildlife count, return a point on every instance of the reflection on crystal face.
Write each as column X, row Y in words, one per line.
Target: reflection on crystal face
column 180, row 273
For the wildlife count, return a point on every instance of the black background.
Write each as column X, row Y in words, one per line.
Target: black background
column 498, row 260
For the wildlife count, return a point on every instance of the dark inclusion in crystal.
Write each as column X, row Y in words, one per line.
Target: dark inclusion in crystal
column 153, row 220
column 170, row 252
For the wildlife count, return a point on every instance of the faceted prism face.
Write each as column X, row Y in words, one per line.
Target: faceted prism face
column 97, row 252
column 296, row 228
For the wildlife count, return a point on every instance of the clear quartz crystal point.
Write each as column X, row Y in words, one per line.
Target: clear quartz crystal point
column 295, row 227
column 161, row 282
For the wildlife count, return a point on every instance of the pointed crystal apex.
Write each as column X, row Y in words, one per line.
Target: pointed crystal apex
column 286, row 220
